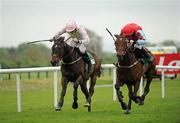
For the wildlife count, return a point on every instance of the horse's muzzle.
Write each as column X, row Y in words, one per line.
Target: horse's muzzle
column 53, row 63
column 55, row 60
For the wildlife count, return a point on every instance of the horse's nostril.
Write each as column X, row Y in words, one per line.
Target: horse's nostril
column 54, row 63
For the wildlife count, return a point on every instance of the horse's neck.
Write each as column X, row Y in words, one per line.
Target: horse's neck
column 129, row 59
column 70, row 54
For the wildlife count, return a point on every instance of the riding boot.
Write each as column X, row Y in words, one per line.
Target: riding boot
column 88, row 61
column 149, row 58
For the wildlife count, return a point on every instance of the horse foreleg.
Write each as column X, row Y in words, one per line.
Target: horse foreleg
column 130, row 100
column 146, row 91
column 64, row 83
column 75, row 95
column 136, row 98
column 120, row 97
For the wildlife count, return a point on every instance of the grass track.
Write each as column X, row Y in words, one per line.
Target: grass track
column 37, row 105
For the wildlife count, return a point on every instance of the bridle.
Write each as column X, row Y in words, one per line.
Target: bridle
column 126, row 40
column 126, row 50
column 69, row 53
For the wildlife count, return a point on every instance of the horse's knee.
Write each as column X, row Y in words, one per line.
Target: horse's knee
column 117, row 87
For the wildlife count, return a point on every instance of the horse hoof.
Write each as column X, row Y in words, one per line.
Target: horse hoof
column 124, row 106
column 58, row 109
column 75, row 105
column 87, row 105
column 137, row 100
column 141, row 103
column 127, row 111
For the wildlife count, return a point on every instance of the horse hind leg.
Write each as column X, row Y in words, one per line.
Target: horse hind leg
column 86, row 93
column 146, row 90
column 75, row 95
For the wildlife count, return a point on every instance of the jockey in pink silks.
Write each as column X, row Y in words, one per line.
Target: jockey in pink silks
column 78, row 37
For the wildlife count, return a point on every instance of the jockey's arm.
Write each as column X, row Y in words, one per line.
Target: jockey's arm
column 58, row 34
column 84, row 36
column 141, row 38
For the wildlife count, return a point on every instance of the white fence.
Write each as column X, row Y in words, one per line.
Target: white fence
column 55, row 70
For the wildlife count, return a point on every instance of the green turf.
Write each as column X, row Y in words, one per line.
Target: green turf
column 37, row 104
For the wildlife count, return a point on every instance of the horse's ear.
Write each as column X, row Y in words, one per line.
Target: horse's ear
column 116, row 35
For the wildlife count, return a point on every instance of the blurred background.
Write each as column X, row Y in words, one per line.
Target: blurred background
column 23, row 21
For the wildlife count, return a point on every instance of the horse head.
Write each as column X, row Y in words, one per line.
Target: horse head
column 121, row 46
column 57, row 49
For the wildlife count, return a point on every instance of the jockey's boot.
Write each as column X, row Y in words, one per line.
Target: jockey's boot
column 149, row 58
column 88, row 61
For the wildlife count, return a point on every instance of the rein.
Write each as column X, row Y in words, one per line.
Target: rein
column 130, row 66
column 72, row 61
column 68, row 55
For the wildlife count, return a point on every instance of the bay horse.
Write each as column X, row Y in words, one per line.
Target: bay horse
column 73, row 69
column 129, row 71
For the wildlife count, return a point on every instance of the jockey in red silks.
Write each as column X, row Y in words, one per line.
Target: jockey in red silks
column 136, row 36
column 77, row 37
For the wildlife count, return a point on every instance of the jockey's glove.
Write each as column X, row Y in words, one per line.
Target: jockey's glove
column 77, row 41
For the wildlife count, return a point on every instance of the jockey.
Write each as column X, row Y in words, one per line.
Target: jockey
column 136, row 36
column 78, row 38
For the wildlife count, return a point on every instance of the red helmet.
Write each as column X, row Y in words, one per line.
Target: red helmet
column 127, row 31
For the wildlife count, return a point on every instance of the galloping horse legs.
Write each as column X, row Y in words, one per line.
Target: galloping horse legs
column 85, row 91
column 130, row 99
column 136, row 98
column 120, row 97
column 146, row 90
column 75, row 97
column 91, row 89
column 64, row 82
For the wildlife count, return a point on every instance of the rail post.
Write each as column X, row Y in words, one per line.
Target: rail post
column 18, row 91
column 55, row 88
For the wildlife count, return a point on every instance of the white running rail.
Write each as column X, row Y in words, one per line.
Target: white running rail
column 56, row 69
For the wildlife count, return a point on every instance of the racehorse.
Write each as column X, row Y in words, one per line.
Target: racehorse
column 129, row 71
column 74, row 69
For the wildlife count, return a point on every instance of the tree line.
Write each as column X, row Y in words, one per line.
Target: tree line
column 39, row 55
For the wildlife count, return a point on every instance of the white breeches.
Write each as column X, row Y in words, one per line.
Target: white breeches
column 82, row 48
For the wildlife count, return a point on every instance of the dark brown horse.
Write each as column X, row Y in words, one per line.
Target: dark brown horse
column 74, row 70
column 129, row 71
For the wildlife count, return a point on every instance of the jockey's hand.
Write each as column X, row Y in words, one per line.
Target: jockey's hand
column 130, row 43
column 75, row 40
column 51, row 40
